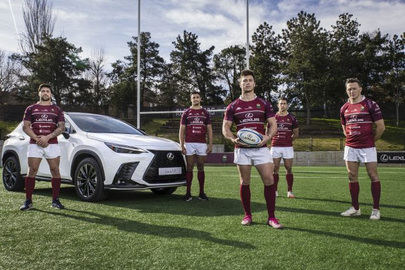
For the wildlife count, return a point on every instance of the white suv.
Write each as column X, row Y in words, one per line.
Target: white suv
column 100, row 153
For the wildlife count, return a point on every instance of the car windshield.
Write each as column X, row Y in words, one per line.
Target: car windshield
column 102, row 124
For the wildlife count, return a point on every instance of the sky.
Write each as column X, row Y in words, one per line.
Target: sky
column 109, row 24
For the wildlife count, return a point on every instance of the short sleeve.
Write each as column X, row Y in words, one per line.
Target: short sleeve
column 28, row 114
column 268, row 110
column 183, row 120
column 61, row 116
column 229, row 113
column 375, row 111
column 342, row 116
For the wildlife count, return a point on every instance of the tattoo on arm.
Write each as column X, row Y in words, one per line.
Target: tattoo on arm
column 59, row 130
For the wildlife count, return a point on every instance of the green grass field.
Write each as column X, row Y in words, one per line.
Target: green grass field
column 139, row 230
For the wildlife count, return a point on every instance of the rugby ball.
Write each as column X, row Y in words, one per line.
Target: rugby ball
column 249, row 136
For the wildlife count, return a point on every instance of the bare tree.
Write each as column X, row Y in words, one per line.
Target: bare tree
column 97, row 75
column 9, row 71
column 39, row 22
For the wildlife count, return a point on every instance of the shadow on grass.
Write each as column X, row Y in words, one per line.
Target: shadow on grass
column 147, row 202
column 133, row 226
column 348, row 203
column 332, row 214
column 377, row 242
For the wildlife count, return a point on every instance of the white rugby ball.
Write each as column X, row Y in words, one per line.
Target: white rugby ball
column 249, row 136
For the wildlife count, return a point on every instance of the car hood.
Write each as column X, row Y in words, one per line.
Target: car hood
column 147, row 142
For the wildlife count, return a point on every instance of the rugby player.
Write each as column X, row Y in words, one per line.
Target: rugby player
column 282, row 144
column 249, row 111
column 195, row 124
column 357, row 116
column 43, row 122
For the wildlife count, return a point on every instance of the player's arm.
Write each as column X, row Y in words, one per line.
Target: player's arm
column 210, row 137
column 379, row 129
column 344, row 130
column 226, row 131
column 271, row 130
column 28, row 130
column 182, row 132
column 296, row 133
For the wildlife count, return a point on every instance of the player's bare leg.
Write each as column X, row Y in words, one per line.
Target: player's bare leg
column 276, row 162
column 269, row 191
column 244, row 176
column 189, row 176
column 371, row 168
column 288, row 162
column 201, row 177
column 353, row 171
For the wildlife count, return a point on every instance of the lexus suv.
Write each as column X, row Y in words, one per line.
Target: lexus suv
column 100, row 153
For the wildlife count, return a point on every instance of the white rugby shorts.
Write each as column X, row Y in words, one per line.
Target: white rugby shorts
column 252, row 156
column 282, row 152
column 49, row 152
column 363, row 155
column 199, row 149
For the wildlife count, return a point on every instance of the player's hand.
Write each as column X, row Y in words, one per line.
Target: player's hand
column 183, row 149
column 209, row 148
column 264, row 141
column 43, row 141
column 237, row 141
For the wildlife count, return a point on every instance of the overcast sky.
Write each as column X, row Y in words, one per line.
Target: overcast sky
column 109, row 24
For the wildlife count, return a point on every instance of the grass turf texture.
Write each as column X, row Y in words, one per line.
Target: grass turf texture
column 139, row 230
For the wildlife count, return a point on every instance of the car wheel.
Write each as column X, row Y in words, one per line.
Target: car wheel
column 89, row 182
column 164, row 191
column 12, row 179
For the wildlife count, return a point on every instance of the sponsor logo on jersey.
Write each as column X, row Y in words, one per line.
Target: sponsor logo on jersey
column 258, row 106
column 249, row 115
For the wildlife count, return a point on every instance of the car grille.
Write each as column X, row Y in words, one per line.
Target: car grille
column 161, row 160
column 125, row 172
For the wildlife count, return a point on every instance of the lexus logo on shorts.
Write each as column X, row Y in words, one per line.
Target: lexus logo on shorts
column 249, row 115
column 170, row 156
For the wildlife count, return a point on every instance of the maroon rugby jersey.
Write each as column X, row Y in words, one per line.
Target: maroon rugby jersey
column 196, row 122
column 358, row 120
column 44, row 119
column 249, row 114
column 285, row 126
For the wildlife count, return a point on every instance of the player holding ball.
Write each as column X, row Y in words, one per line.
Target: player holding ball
column 249, row 111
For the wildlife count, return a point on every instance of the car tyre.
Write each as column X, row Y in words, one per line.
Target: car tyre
column 164, row 191
column 12, row 179
column 89, row 181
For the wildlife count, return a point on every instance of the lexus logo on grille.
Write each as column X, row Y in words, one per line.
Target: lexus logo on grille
column 170, row 156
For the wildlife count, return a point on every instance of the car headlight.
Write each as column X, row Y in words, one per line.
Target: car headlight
column 124, row 149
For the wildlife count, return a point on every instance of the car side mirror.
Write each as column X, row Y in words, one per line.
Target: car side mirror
column 66, row 135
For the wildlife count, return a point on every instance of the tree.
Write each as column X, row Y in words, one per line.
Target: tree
column 228, row 64
column 395, row 79
column 345, row 60
column 124, row 74
column 193, row 71
column 39, row 22
column 9, row 71
column 55, row 61
column 266, row 60
column 305, row 44
column 97, row 75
